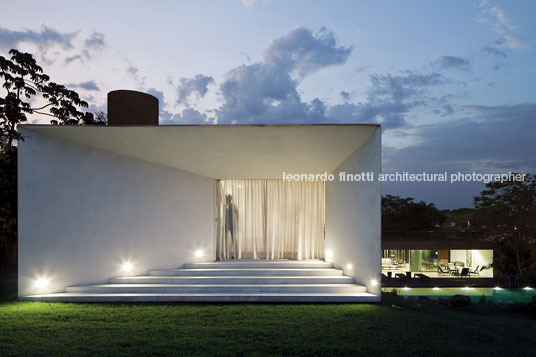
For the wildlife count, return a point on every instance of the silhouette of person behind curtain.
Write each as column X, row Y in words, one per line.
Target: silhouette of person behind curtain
column 231, row 218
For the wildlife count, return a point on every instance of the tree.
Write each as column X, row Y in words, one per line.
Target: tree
column 8, row 207
column 403, row 214
column 508, row 211
column 23, row 80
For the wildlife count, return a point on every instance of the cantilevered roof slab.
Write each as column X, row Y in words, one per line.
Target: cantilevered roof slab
column 224, row 151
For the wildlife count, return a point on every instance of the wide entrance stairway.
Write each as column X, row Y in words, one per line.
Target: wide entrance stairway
column 228, row 281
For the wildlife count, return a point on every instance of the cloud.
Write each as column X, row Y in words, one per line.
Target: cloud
column 454, row 62
column 302, row 52
column 73, row 58
column 91, row 45
column 501, row 22
column 390, row 114
column 45, row 38
column 197, row 85
column 509, row 41
column 95, row 41
column 489, row 50
column 133, row 72
column 190, row 116
column 361, row 69
column 266, row 92
column 251, row 92
column 246, row 56
column 506, row 36
column 89, row 85
column 497, row 66
column 389, row 99
column 488, row 139
column 163, row 114
column 405, row 86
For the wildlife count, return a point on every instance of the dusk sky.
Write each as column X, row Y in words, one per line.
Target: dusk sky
column 451, row 82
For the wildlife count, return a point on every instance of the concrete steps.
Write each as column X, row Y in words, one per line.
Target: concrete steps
column 247, row 272
column 230, row 281
column 224, row 288
column 195, row 280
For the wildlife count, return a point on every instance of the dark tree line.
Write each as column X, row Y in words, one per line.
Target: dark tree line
column 507, row 213
column 404, row 214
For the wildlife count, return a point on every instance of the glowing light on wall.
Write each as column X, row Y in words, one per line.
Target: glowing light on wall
column 199, row 253
column 374, row 282
column 349, row 266
column 41, row 283
column 436, row 288
column 126, row 267
column 329, row 255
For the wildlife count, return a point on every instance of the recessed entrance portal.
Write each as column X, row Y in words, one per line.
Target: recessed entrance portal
column 270, row 219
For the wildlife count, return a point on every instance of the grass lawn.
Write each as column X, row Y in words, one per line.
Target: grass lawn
column 391, row 328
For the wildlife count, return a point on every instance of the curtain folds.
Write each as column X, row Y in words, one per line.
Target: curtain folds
column 270, row 219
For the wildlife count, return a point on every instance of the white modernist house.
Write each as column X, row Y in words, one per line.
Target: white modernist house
column 198, row 213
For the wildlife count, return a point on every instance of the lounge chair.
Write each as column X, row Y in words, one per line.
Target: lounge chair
column 422, row 276
column 464, row 273
column 452, row 269
column 475, row 271
column 441, row 271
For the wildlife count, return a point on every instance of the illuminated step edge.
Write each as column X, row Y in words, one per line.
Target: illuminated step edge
column 318, row 298
column 211, row 288
column 243, row 264
column 334, row 279
column 247, row 272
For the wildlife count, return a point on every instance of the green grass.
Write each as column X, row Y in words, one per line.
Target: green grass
column 390, row 328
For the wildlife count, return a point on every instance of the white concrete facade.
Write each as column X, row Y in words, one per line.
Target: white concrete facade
column 83, row 211
column 353, row 217
column 92, row 197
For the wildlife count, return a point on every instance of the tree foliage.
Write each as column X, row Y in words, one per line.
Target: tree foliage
column 403, row 214
column 508, row 213
column 24, row 80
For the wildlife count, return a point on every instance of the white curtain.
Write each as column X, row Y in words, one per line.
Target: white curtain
column 270, row 219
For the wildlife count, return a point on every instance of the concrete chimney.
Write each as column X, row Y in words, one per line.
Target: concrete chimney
column 128, row 107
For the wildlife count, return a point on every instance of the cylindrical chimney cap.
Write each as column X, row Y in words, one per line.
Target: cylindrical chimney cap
column 128, row 107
